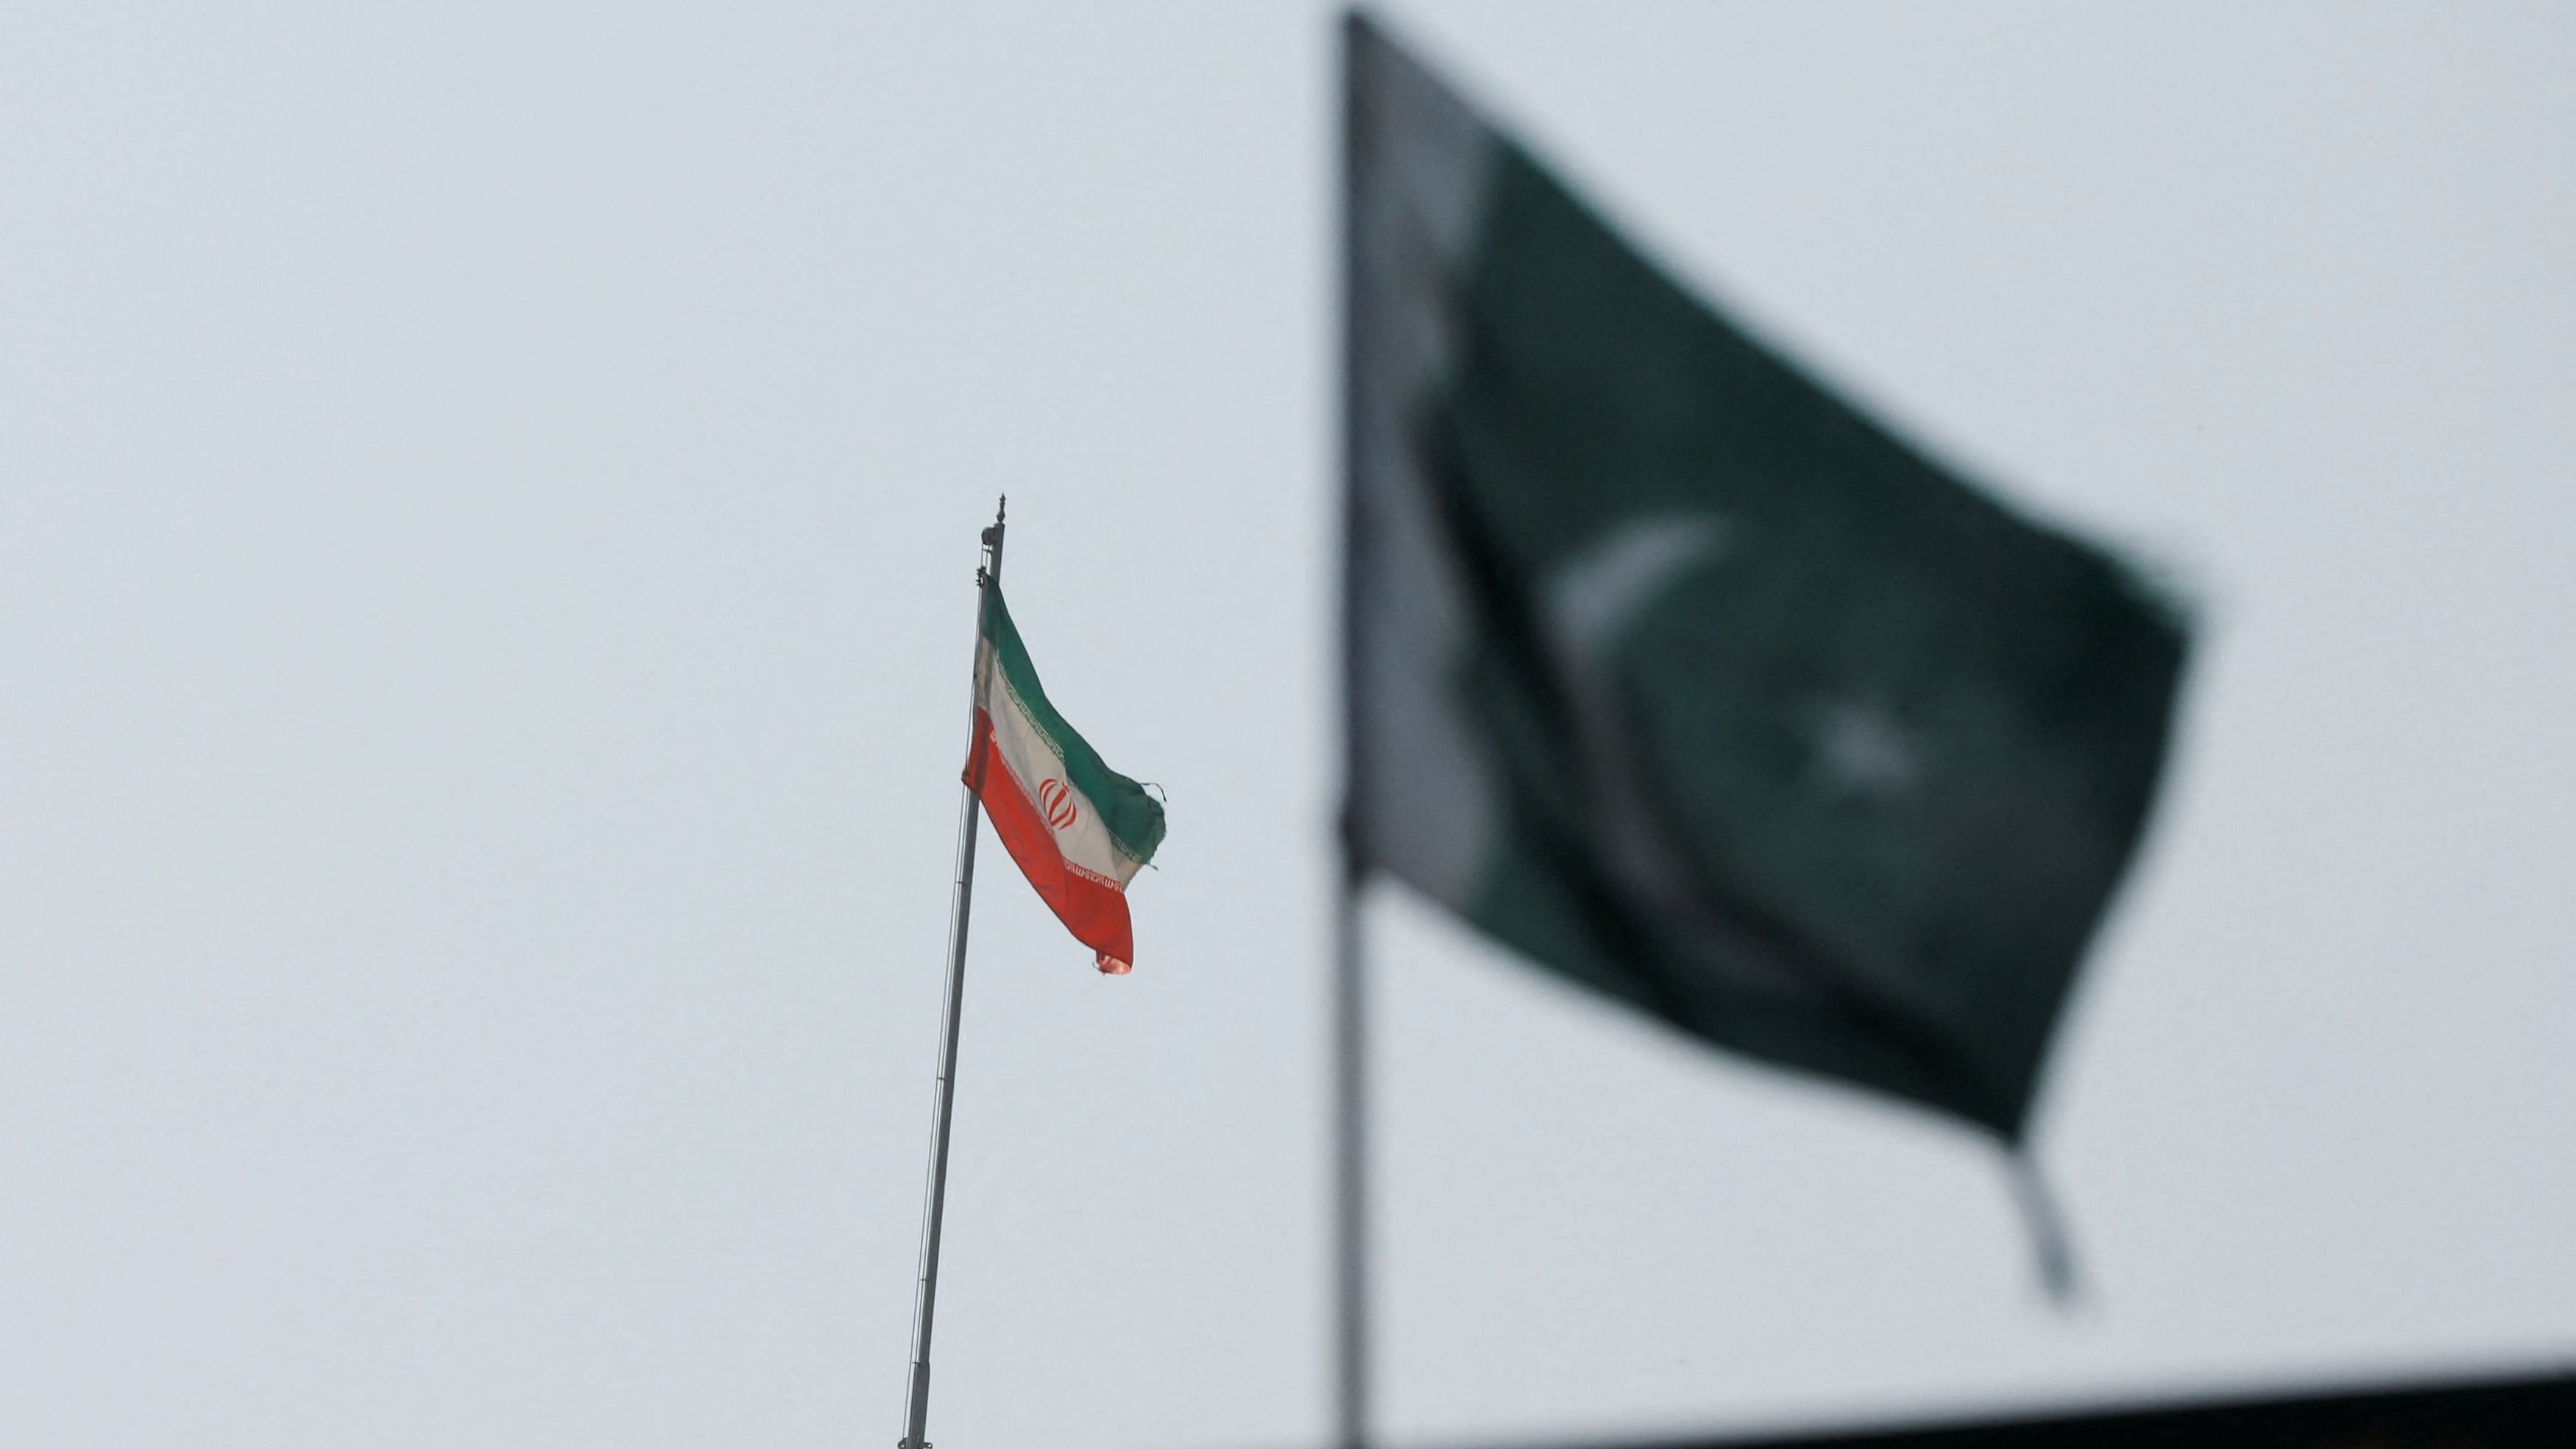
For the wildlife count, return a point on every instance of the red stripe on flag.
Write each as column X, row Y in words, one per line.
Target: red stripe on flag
column 1095, row 911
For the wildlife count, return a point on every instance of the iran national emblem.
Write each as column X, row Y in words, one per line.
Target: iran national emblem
column 1057, row 802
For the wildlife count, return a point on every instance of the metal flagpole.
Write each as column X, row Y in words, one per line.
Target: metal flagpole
column 1350, row 1166
column 916, row 1413
column 1350, row 983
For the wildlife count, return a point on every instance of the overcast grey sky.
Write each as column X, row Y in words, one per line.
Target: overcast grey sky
column 485, row 541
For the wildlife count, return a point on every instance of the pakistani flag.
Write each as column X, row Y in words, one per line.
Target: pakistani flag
column 1079, row 829
column 1683, row 678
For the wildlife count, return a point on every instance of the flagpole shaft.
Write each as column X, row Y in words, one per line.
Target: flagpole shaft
column 916, row 1414
column 1350, row 981
column 1350, row 1169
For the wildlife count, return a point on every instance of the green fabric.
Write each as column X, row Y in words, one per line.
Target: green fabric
column 1133, row 818
column 1850, row 784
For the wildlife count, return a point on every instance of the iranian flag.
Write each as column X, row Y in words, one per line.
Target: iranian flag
column 1079, row 829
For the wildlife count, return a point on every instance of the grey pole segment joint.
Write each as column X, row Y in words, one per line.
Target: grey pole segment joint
column 916, row 1413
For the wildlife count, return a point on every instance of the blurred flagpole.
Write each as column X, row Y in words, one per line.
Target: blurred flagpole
column 917, row 1388
column 1350, row 1167
column 1350, row 1005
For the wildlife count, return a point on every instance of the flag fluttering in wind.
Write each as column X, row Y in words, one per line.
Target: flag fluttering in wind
column 1677, row 674
column 1079, row 830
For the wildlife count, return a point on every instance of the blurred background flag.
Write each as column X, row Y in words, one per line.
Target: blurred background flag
column 1683, row 678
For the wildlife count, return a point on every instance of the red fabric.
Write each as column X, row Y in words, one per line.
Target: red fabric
column 1094, row 910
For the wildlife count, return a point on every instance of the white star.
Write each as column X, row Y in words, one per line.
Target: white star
column 1861, row 751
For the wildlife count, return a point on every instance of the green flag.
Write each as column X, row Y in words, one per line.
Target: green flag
column 1681, row 677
